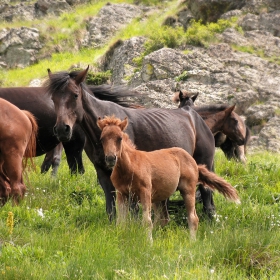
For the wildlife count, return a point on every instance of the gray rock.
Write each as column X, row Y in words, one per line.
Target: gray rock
column 110, row 19
column 19, row 46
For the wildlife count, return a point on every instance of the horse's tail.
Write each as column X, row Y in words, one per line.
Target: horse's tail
column 30, row 150
column 214, row 182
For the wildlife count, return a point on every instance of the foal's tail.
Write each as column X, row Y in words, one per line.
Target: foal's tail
column 30, row 150
column 214, row 182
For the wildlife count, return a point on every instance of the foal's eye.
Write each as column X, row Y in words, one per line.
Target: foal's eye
column 119, row 139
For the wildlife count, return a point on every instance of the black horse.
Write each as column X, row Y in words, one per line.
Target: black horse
column 149, row 129
column 39, row 103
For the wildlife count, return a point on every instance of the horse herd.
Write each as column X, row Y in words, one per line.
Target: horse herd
column 66, row 113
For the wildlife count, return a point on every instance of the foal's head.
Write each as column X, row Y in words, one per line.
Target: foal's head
column 112, row 136
column 184, row 98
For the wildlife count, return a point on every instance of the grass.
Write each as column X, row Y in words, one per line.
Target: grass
column 61, row 231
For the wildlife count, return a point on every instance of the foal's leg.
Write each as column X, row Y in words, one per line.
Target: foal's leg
column 122, row 208
column 161, row 213
column 145, row 199
column 188, row 194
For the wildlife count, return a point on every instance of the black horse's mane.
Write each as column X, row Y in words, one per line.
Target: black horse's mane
column 212, row 107
column 119, row 94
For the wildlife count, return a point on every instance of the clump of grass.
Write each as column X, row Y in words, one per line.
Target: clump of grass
column 203, row 34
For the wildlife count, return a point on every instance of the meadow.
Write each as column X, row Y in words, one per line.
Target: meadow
column 61, row 231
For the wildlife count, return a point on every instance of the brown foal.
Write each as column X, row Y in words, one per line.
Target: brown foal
column 152, row 177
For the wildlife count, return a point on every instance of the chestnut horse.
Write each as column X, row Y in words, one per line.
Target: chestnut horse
column 229, row 129
column 152, row 177
column 150, row 129
column 17, row 144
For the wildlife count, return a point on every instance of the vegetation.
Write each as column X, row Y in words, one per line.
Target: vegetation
column 61, row 231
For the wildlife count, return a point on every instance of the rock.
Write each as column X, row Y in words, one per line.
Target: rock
column 19, row 46
column 211, row 10
column 110, row 19
column 55, row 7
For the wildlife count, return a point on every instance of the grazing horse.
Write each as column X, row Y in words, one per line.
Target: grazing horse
column 150, row 129
column 229, row 129
column 17, row 141
column 38, row 102
column 152, row 177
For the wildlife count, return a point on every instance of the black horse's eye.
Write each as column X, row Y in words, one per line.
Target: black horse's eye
column 76, row 95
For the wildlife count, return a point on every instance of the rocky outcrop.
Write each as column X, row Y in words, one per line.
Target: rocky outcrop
column 28, row 10
column 242, row 69
column 19, row 47
column 110, row 19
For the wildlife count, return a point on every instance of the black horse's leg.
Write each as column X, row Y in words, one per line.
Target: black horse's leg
column 74, row 150
column 205, row 156
column 103, row 176
column 109, row 191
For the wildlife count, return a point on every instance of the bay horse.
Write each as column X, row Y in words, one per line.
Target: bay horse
column 39, row 103
column 230, row 131
column 152, row 177
column 150, row 129
column 17, row 144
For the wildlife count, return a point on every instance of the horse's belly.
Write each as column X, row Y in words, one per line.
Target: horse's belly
column 165, row 184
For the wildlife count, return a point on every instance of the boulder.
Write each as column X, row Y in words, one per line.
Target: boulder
column 19, row 47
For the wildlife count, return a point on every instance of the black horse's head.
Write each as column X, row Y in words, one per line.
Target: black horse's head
column 66, row 92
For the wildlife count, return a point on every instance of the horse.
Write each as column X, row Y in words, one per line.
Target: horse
column 38, row 102
column 17, row 145
column 150, row 129
column 227, row 126
column 152, row 177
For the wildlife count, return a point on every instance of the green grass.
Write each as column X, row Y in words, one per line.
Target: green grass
column 74, row 239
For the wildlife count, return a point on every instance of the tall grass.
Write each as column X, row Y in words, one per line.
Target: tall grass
column 61, row 231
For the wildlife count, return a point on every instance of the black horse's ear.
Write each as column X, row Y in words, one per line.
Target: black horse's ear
column 49, row 72
column 81, row 76
column 194, row 97
column 181, row 95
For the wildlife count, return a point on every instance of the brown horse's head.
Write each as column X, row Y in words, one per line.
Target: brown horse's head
column 66, row 91
column 234, row 126
column 111, row 138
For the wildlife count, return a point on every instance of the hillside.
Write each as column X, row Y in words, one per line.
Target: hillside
column 227, row 51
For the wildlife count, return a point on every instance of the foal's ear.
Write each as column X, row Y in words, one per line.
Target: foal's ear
column 123, row 125
column 81, row 76
column 100, row 123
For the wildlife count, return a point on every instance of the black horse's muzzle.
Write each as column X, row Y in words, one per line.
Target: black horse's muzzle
column 63, row 132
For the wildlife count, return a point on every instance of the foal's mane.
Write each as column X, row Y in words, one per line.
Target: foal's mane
column 113, row 121
column 58, row 81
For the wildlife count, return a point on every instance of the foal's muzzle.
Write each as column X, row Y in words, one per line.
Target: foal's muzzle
column 110, row 160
